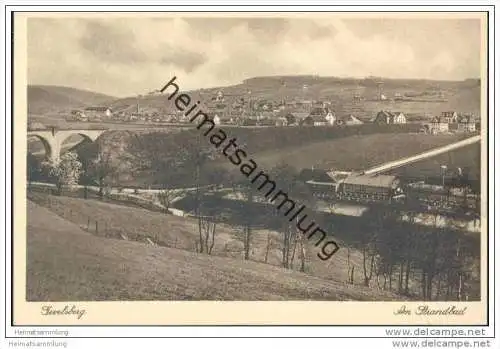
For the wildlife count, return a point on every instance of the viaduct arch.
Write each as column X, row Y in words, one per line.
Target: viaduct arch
column 53, row 139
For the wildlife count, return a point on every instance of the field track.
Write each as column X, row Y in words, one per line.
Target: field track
column 422, row 156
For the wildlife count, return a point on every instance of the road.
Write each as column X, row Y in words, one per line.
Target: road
column 428, row 154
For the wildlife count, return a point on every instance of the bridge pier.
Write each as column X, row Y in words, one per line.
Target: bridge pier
column 55, row 151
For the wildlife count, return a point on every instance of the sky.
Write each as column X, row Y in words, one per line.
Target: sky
column 129, row 56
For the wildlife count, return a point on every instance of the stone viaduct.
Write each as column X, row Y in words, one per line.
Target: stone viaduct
column 53, row 139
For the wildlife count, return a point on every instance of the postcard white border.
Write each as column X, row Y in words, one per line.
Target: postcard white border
column 266, row 331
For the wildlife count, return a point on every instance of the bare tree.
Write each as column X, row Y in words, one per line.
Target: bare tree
column 167, row 196
column 302, row 247
column 268, row 247
column 368, row 264
column 287, row 243
column 247, row 229
column 350, row 268
column 293, row 237
column 208, row 232
column 243, row 188
column 102, row 168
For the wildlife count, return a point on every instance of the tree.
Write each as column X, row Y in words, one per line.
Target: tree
column 247, row 229
column 209, row 226
column 101, row 169
column 34, row 170
column 166, row 197
column 100, row 160
column 241, row 186
column 287, row 178
column 381, row 244
column 198, row 156
column 195, row 155
column 301, row 192
column 66, row 171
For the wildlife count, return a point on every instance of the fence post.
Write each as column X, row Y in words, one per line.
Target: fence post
column 96, row 227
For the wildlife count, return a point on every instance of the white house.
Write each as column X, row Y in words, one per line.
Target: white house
column 282, row 121
column 387, row 117
column 322, row 116
column 467, row 123
column 348, row 120
column 449, row 116
column 330, row 118
column 399, row 118
column 216, row 119
column 439, row 125
column 98, row 112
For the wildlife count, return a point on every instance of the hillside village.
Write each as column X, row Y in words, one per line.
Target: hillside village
column 241, row 111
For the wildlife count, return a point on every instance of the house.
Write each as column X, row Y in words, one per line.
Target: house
column 248, row 122
column 439, row 125
column 330, row 118
column 34, row 125
column 98, row 112
column 348, row 120
column 466, row 123
column 450, row 116
column 266, row 115
column 299, row 115
column 290, row 119
column 282, row 121
column 322, row 116
column 216, row 119
column 314, row 120
column 219, row 97
column 386, row 117
column 133, row 117
column 307, row 121
column 398, row 118
column 79, row 115
column 226, row 120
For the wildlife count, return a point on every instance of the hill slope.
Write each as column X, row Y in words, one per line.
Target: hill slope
column 462, row 96
column 427, row 97
column 96, row 268
column 351, row 153
column 49, row 99
column 182, row 233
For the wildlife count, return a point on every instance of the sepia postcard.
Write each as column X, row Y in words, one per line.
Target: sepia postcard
column 250, row 168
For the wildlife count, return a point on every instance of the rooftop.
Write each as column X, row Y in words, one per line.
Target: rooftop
column 371, row 180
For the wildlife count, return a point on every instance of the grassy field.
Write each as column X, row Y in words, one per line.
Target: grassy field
column 351, row 153
column 94, row 268
column 467, row 157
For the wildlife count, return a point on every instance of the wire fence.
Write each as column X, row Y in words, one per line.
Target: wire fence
column 107, row 226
